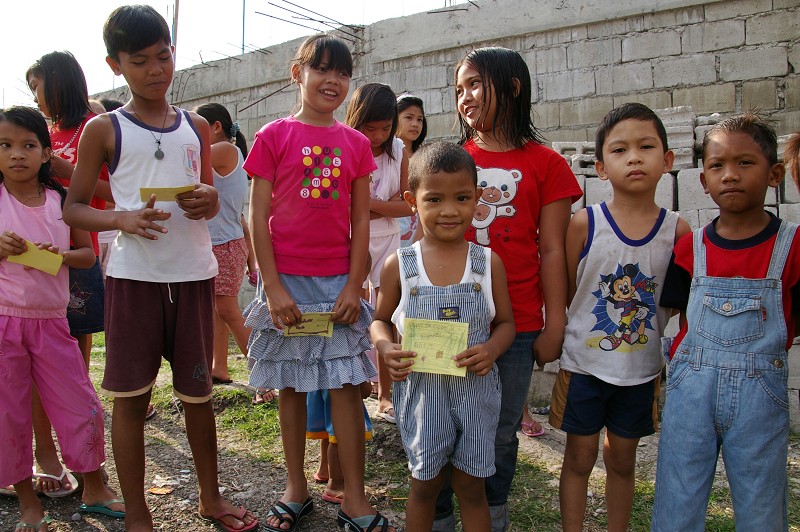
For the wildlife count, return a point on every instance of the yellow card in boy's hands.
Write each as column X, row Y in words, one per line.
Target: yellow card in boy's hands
column 163, row 193
column 40, row 259
column 312, row 324
column 435, row 343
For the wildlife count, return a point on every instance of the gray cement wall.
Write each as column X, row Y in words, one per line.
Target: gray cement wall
column 695, row 61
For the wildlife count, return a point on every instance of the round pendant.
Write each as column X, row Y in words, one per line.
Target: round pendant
column 159, row 154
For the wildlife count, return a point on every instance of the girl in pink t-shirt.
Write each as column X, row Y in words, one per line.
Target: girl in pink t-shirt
column 35, row 343
column 309, row 218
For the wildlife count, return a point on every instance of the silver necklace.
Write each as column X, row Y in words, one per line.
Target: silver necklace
column 158, row 153
column 64, row 148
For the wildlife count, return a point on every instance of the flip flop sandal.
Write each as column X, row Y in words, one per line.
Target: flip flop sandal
column 320, row 479
column 529, row 430
column 22, row 524
column 62, row 491
column 151, row 412
column 367, row 523
column 289, row 512
column 239, row 514
column 332, row 498
column 387, row 415
column 103, row 508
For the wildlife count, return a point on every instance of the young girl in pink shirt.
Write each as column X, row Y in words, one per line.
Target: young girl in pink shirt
column 35, row 345
column 309, row 217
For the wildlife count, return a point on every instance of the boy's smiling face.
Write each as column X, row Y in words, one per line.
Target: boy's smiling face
column 736, row 172
column 634, row 158
column 148, row 71
column 445, row 203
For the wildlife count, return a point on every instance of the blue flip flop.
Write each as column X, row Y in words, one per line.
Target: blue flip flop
column 103, row 509
column 367, row 523
column 289, row 512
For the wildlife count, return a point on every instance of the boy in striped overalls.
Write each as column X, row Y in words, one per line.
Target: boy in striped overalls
column 446, row 420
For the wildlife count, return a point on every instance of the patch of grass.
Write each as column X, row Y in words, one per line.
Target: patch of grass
column 533, row 500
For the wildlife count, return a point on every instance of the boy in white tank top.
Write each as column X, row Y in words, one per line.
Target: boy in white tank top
column 159, row 292
column 617, row 256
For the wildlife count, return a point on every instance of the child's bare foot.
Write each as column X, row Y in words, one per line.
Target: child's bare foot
column 98, row 498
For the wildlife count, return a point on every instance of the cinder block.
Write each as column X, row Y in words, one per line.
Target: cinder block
column 597, row 190
column 583, row 165
column 762, row 62
column 674, row 17
column 631, row 77
column 690, row 192
column 681, row 115
column 653, row 100
column 699, row 135
column 719, row 98
column 434, row 77
column 794, row 367
column 691, row 218
column 706, row 216
column 584, row 111
column 736, row 8
column 788, row 190
column 684, row 159
column 772, row 27
column 545, row 115
column 790, row 212
column 791, row 91
column 713, row 36
column 665, row 192
column 591, row 53
column 760, row 94
column 651, row 44
column 568, row 149
column 569, row 84
column 552, row 59
column 688, row 69
column 794, row 57
column 680, row 136
column 578, row 205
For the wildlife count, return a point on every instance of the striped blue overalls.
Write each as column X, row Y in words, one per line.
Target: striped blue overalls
column 443, row 418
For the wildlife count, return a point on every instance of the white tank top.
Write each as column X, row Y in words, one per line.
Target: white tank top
column 614, row 322
column 184, row 252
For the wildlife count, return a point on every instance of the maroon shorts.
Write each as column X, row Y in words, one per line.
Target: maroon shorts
column 147, row 321
column 231, row 259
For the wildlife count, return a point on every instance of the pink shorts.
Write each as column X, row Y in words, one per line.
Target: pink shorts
column 232, row 259
column 147, row 321
column 42, row 352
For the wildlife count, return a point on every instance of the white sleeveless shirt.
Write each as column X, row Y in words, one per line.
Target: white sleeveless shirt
column 384, row 185
column 614, row 323
column 184, row 252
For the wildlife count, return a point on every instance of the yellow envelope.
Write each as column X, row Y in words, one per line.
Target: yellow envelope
column 37, row 258
column 435, row 343
column 164, row 193
column 312, row 324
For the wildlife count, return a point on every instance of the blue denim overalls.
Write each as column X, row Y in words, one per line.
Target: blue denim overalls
column 727, row 389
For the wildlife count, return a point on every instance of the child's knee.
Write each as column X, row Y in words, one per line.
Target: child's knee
column 579, row 460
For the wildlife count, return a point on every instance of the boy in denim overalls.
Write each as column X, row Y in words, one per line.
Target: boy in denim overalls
column 737, row 281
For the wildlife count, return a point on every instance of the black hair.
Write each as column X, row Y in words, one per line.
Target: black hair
column 439, row 156
column 371, row 103
column 214, row 112
column 65, row 92
column 627, row 111
column 404, row 101
column 498, row 68
column 133, row 28
column 313, row 50
column 32, row 120
column 110, row 104
column 754, row 126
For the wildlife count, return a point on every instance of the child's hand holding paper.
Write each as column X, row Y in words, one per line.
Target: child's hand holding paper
column 43, row 256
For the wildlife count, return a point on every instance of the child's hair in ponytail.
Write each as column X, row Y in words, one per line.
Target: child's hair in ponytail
column 373, row 102
column 214, row 112
column 507, row 80
column 32, row 120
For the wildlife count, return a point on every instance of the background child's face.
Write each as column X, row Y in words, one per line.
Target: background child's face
column 377, row 132
column 148, row 71
column 445, row 203
column 21, row 153
column 36, row 85
column 471, row 95
column 736, row 172
column 410, row 123
column 633, row 156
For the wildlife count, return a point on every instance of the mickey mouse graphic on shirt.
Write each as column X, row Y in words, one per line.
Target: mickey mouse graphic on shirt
column 625, row 305
column 499, row 189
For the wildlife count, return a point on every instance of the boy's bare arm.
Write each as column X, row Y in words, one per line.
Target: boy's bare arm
column 381, row 331
column 577, row 235
column 681, row 228
column 553, row 222
column 202, row 202
column 479, row 359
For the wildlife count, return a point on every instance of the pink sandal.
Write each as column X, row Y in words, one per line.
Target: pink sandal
column 530, row 429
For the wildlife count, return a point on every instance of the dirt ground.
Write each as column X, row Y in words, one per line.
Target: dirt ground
column 248, row 481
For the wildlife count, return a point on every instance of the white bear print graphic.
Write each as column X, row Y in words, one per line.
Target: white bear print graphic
column 499, row 188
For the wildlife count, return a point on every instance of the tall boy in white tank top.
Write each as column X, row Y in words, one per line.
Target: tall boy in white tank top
column 159, row 293
column 617, row 256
